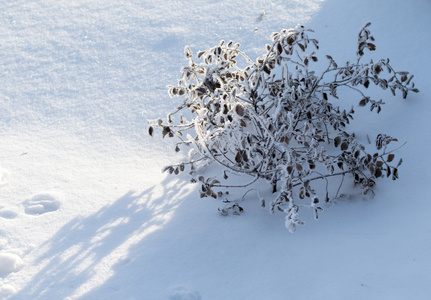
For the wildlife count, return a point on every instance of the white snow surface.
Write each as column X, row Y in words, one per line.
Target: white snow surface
column 85, row 212
column 10, row 263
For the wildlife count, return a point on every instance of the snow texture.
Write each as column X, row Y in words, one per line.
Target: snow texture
column 10, row 263
column 7, row 290
column 79, row 80
column 184, row 294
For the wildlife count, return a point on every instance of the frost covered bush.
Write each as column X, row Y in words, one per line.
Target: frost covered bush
column 276, row 120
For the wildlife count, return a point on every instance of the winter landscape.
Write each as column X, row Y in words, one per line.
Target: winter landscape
column 86, row 212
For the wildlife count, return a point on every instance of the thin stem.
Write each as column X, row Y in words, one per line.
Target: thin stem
column 328, row 175
column 236, row 186
column 342, row 180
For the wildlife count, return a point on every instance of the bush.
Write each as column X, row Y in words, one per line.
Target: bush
column 275, row 120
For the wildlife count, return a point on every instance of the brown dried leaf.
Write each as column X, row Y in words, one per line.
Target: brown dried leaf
column 363, row 102
column 337, row 141
column 344, row 146
column 371, row 46
column 378, row 173
column 302, row 47
column 239, row 109
column 279, row 48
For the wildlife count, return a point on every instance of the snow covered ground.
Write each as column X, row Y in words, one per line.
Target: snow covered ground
column 85, row 212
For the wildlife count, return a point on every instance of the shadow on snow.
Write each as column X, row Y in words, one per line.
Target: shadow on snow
column 80, row 256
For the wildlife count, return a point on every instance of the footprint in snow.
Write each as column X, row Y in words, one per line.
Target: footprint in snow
column 41, row 203
column 7, row 214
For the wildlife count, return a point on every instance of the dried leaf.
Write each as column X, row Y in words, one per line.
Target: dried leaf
column 395, row 174
column 279, row 48
column 371, row 46
column 239, row 109
column 378, row 172
column 301, row 46
column 289, row 170
column 298, row 166
column 344, row 146
column 357, row 153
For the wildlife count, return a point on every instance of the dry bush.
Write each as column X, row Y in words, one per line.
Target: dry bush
column 275, row 119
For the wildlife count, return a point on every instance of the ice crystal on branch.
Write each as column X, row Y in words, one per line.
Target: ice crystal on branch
column 275, row 120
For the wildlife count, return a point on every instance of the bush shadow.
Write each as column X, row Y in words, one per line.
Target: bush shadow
column 80, row 255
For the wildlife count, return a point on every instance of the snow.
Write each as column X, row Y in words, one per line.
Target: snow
column 7, row 290
column 41, row 203
column 85, row 212
column 10, row 263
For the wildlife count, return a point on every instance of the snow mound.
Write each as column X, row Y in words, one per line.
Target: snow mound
column 10, row 263
column 7, row 290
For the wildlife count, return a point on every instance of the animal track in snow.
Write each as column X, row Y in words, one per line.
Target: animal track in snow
column 7, row 214
column 41, row 203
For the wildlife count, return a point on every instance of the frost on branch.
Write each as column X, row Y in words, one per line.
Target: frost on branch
column 276, row 120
